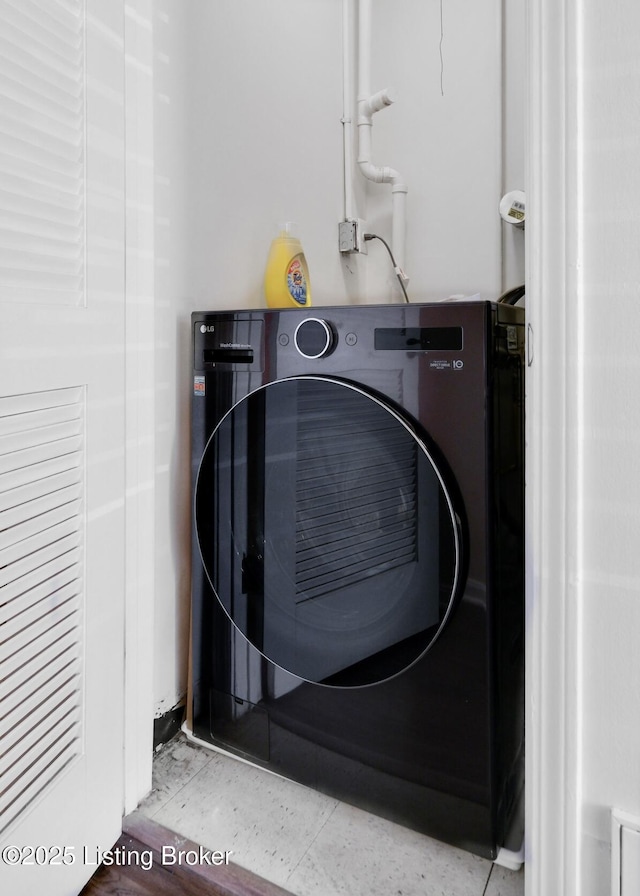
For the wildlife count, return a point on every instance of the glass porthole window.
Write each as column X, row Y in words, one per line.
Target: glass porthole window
column 327, row 531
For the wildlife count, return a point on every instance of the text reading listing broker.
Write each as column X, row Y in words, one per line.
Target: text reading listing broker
column 144, row 858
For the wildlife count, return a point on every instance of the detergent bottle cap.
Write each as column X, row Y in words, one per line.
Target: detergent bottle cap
column 289, row 228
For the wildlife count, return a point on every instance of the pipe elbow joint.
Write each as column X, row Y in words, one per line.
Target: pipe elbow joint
column 380, row 100
column 368, row 106
column 375, row 173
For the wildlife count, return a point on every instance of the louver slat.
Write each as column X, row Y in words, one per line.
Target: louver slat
column 37, row 559
column 356, row 492
column 31, row 491
column 46, row 577
column 38, row 435
column 25, row 700
column 47, row 451
column 41, row 574
column 45, row 768
column 33, row 730
column 21, row 514
column 50, row 402
column 20, row 558
column 42, row 658
column 42, row 152
column 46, row 630
column 68, row 510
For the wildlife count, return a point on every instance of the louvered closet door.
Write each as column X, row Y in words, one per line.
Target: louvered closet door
column 61, row 439
column 328, row 531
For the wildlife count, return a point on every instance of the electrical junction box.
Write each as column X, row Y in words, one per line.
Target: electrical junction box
column 351, row 237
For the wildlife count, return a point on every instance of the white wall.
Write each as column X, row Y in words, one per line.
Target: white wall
column 445, row 137
column 513, row 133
column 266, row 146
column 265, row 143
column 248, row 129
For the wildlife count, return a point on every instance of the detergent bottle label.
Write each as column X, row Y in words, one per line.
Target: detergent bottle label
column 296, row 281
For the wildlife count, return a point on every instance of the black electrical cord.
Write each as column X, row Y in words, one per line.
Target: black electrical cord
column 374, row 236
column 511, row 296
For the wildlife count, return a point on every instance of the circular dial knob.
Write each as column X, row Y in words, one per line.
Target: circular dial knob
column 314, row 338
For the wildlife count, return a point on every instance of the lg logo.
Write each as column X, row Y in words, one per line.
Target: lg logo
column 458, row 365
column 205, row 329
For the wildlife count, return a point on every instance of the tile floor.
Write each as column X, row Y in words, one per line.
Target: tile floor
column 308, row 843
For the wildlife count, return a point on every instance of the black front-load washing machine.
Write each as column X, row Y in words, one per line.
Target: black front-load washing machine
column 358, row 555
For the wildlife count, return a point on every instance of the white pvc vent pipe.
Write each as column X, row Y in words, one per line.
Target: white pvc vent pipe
column 347, row 109
column 368, row 105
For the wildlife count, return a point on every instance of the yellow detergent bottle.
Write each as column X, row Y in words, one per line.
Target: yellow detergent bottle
column 286, row 278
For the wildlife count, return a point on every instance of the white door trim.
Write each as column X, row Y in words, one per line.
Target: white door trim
column 554, row 413
column 139, row 401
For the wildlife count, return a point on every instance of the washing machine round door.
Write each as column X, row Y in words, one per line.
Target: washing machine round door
column 327, row 531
